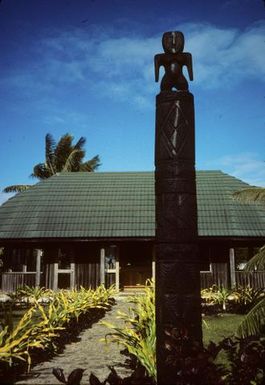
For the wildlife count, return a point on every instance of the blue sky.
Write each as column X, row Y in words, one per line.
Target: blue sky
column 86, row 67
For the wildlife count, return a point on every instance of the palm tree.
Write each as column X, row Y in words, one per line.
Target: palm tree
column 252, row 194
column 248, row 195
column 254, row 322
column 62, row 156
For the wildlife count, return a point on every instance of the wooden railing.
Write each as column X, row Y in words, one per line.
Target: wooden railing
column 206, row 280
column 218, row 275
column 13, row 280
column 254, row 279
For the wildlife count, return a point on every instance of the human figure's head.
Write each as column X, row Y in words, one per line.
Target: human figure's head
column 173, row 42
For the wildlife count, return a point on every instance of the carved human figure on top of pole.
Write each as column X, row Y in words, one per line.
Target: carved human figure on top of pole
column 173, row 60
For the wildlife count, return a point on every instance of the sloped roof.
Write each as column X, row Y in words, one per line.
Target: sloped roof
column 110, row 205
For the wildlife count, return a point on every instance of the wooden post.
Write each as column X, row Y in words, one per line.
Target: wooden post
column 153, row 270
column 72, row 276
column 153, row 264
column 24, row 270
column 38, row 267
column 117, row 267
column 232, row 267
column 178, row 302
column 102, row 266
column 47, row 276
column 55, row 276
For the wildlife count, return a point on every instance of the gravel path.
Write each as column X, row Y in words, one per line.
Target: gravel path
column 88, row 353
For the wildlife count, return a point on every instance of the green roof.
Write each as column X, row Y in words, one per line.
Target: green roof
column 122, row 204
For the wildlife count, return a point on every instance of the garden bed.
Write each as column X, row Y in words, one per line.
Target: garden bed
column 45, row 329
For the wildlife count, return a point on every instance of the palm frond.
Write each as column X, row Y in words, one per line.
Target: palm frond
column 50, row 146
column 63, row 156
column 257, row 261
column 17, row 188
column 91, row 165
column 41, row 171
column 248, row 195
column 253, row 194
column 253, row 322
column 73, row 161
column 80, row 144
column 62, row 151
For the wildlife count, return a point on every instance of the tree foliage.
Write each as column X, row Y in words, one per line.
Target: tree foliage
column 248, row 195
column 64, row 156
column 253, row 324
column 17, row 188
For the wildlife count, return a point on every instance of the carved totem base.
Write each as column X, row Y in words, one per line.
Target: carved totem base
column 177, row 268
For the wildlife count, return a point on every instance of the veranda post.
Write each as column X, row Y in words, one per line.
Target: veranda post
column 178, row 307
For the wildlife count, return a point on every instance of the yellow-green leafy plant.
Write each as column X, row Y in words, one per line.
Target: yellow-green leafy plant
column 216, row 295
column 137, row 334
column 31, row 292
column 30, row 332
column 222, row 297
column 247, row 296
column 42, row 323
column 68, row 304
column 242, row 299
column 209, row 295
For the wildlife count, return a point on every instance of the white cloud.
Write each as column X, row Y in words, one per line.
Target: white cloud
column 226, row 56
column 125, row 64
column 122, row 67
column 245, row 166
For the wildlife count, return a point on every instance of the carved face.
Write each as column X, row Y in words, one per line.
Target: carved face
column 173, row 42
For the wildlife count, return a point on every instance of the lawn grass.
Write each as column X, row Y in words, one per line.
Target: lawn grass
column 220, row 326
column 217, row 327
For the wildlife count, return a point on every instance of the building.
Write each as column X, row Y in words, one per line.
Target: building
column 83, row 229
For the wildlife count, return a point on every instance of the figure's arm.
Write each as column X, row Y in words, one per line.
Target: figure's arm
column 157, row 66
column 189, row 65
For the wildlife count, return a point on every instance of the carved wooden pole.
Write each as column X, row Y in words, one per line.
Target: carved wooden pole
column 177, row 269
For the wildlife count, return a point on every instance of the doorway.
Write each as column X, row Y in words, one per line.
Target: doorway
column 136, row 265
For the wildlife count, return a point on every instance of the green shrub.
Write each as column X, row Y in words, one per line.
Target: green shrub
column 138, row 334
column 217, row 296
column 239, row 300
column 31, row 292
column 245, row 298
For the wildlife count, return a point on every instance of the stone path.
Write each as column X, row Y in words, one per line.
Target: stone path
column 88, row 353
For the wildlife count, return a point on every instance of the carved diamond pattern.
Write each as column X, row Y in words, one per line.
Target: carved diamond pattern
column 173, row 131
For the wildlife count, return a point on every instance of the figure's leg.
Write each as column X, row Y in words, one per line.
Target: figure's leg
column 181, row 83
column 166, row 84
